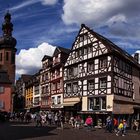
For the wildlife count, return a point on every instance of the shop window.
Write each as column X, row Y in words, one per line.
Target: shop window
column 97, row 103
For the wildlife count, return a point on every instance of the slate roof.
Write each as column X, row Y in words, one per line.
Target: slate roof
column 113, row 47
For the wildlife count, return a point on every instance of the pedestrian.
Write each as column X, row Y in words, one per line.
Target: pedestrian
column 136, row 125
column 77, row 121
column 50, row 118
column 71, row 121
column 115, row 124
column 109, row 124
column 62, row 120
column 89, row 122
column 120, row 129
column 38, row 120
column 43, row 118
column 56, row 119
column 124, row 127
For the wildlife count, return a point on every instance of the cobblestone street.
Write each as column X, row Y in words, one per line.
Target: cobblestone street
column 22, row 131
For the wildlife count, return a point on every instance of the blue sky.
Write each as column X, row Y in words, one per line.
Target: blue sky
column 48, row 23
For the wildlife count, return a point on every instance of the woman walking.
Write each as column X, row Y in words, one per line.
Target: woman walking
column 89, row 122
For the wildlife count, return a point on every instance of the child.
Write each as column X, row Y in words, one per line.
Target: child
column 120, row 129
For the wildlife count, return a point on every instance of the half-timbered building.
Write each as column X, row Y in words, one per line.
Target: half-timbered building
column 56, row 81
column 100, row 77
column 45, row 82
column 29, row 94
column 36, row 92
column 19, row 97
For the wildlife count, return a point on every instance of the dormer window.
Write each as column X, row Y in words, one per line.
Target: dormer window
column 56, row 59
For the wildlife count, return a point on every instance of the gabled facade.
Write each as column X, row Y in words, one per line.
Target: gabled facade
column 100, row 76
column 36, row 91
column 29, row 94
column 45, row 75
column 56, row 80
column 19, row 97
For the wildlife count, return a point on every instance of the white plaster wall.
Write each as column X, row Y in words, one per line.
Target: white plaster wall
column 84, row 103
column 109, row 102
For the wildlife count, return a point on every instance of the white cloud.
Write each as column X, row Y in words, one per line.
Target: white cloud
column 29, row 61
column 31, row 2
column 23, row 4
column 49, row 2
column 88, row 11
column 97, row 12
column 117, row 19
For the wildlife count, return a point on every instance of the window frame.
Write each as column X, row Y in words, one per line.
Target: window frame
column 2, row 89
column 89, row 84
column 75, row 84
column 103, row 85
column 58, row 99
column 102, row 62
column 90, row 66
column 94, row 104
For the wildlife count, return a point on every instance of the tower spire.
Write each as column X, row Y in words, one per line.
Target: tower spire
column 7, row 26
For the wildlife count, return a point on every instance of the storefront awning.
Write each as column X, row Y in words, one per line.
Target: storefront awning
column 123, row 109
column 70, row 103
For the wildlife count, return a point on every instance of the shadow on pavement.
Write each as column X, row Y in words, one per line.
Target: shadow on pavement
column 17, row 131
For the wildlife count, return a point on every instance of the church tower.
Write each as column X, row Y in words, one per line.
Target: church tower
column 7, row 48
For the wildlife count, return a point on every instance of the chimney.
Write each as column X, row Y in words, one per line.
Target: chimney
column 136, row 57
